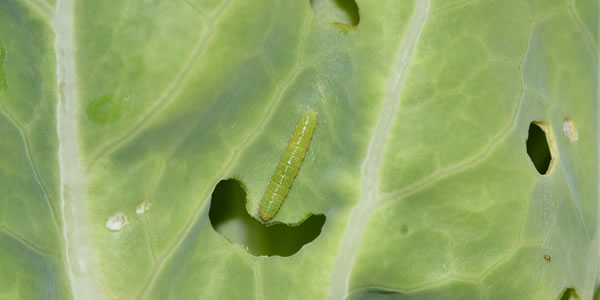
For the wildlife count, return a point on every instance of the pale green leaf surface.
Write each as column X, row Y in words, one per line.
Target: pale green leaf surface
column 418, row 161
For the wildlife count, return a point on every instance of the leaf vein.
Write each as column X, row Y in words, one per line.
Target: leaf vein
column 168, row 96
column 32, row 165
column 228, row 166
column 369, row 196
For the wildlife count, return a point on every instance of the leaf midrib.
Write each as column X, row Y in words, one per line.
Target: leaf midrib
column 369, row 197
column 78, row 248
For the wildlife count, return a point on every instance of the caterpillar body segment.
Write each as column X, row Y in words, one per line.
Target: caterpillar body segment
column 288, row 166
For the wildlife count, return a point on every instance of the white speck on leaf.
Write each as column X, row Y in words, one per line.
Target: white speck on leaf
column 117, row 221
column 142, row 207
column 570, row 130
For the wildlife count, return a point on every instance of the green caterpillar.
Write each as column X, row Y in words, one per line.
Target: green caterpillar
column 288, row 166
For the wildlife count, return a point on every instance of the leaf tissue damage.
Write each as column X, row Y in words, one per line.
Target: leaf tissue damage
column 538, row 148
column 228, row 216
column 340, row 12
column 425, row 177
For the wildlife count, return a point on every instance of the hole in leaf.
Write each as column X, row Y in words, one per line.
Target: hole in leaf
column 228, row 216
column 538, row 148
column 377, row 294
column 569, row 294
column 339, row 12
